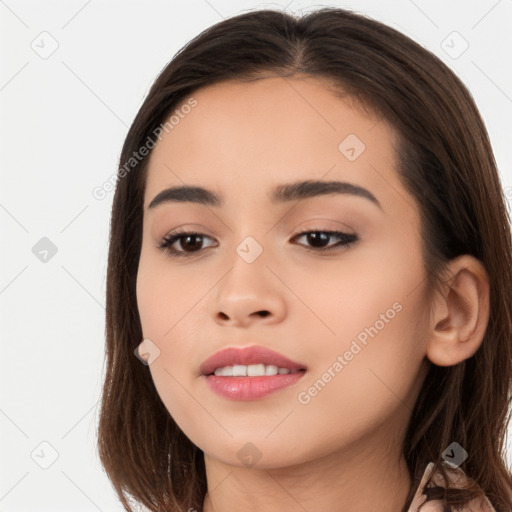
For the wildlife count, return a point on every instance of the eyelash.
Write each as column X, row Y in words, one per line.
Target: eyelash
column 173, row 237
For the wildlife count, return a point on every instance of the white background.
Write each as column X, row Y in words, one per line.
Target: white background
column 63, row 120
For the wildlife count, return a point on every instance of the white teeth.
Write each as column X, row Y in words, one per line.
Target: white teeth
column 252, row 370
column 271, row 370
column 239, row 370
column 255, row 370
column 224, row 372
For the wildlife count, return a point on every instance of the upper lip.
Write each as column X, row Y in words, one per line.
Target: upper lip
column 254, row 354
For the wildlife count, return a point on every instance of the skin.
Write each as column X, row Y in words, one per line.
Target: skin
column 343, row 449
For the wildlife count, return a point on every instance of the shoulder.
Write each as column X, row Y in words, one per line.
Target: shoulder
column 457, row 479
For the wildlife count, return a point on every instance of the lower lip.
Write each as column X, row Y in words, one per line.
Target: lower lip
column 251, row 388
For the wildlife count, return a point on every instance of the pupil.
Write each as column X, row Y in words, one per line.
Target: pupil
column 196, row 238
column 315, row 237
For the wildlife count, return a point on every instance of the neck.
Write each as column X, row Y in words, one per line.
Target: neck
column 359, row 482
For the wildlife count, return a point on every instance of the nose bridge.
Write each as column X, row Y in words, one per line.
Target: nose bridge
column 249, row 275
column 251, row 235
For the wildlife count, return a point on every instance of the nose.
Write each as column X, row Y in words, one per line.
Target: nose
column 249, row 293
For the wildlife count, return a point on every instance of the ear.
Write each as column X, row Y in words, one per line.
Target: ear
column 460, row 314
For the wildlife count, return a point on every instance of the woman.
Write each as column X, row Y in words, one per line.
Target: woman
column 310, row 253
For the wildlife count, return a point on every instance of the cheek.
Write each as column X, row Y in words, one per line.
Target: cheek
column 170, row 303
column 368, row 288
column 165, row 305
column 378, row 343
column 167, row 295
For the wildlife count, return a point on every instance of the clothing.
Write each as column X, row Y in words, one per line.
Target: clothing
column 458, row 479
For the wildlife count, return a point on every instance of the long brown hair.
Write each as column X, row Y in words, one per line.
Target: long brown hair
column 446, row 162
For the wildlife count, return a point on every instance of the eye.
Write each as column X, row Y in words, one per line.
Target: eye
column 190, row 242
column 319, row 239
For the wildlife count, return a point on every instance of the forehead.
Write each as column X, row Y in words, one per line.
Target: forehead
column 248, row 137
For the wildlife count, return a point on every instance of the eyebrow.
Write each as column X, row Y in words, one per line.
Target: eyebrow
column 280, row 194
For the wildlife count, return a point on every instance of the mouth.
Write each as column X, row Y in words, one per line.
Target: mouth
column 253, row 370
column 250, row 373
column 254, row 360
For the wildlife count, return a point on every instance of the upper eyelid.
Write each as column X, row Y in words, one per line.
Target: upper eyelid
column 297, row 228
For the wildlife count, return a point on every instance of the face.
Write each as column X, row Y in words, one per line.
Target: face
column 333, row 281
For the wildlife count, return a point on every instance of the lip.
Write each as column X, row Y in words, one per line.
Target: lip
column 250, row 388
column 254, row 354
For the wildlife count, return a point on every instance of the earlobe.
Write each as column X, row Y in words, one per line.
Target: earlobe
column 460, row 313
